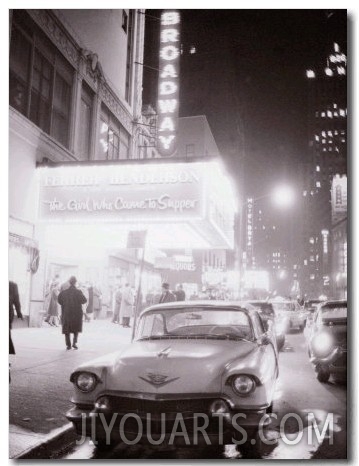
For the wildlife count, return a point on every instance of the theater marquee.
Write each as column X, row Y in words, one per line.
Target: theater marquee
column 194, row 196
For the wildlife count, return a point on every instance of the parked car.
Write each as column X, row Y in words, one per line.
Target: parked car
column 189, row 357
column 293, row 311
column 310, row 308
column 327, row 344
column 278, row 323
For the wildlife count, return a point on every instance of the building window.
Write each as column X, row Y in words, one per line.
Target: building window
column 190, row 150
column 40, row 79
column 114, row 139
column 85, row 120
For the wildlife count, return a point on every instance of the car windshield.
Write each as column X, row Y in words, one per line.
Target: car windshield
column 196, row 322
column 265, row 309
column 284, row 306
column 338, row 311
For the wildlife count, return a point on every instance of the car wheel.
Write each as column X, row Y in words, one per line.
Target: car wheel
column 101, row 444
column 252, row 448
column 323, row 375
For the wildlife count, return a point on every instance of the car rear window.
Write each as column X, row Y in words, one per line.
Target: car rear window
column 334, row 312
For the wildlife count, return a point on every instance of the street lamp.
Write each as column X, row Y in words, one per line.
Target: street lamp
column 283, row 196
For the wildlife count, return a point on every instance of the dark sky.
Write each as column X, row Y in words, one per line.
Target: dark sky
column 248, row 77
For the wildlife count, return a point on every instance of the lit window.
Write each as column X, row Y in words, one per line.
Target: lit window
column 310, row 74
column 316, row 137
column 328, row 72
column 304, row 194
column 341, row 70
column 324, row 149
column 311, row 240
column 324, row 134
column 324, row 141
column 305, row 262
column 336, row 132
column 323, row 114
column 330, row 133
column 335, row 114
column 336, row 47
column 192, row 50
column 343, row 139
column 317, row 184
column 311, row 258
column 330, row 114
column 330, row 149
column 318, row 168
column 335, row 105
column 312, row 276
column 342, row 112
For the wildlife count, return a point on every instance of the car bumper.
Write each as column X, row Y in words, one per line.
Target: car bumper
column 335, row 363
column 136, row 428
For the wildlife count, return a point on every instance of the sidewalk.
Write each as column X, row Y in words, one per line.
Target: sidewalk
column 40, row 388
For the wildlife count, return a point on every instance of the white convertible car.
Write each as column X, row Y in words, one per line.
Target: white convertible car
column 206, row 365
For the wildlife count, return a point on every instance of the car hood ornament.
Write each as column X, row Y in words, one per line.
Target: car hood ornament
column 157, row 380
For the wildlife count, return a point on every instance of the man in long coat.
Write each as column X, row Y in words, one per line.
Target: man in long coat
column 14, row 302
column 127, row 302
column 71, row 301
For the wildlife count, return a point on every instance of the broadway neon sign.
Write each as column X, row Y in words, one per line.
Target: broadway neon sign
column 168, row 83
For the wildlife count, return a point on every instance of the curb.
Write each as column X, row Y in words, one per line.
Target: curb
column 65, row 434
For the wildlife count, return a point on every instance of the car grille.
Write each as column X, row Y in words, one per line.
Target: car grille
column 136, row 405
column 159, row 417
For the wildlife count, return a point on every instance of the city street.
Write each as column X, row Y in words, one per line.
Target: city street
column 298, row 392
column 178, row 246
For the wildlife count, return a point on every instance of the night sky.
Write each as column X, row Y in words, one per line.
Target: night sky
column 248, row 77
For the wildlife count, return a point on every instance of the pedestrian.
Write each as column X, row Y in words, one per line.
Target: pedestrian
column 89, row 308
column 14, row 304
column 180, row 293
column 127, row 302
column 85, row 291
column 97, row 303
column 117, row 305
column 53, row 306
column 71, row 301
column 167, row 296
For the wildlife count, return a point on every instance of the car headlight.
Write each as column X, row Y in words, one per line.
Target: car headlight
column 85, row 382
column 243, row 384
column 322, row 344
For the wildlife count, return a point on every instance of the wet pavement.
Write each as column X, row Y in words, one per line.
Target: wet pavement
column 298, row 392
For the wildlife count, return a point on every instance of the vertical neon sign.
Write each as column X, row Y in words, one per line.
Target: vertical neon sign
column 168, row 82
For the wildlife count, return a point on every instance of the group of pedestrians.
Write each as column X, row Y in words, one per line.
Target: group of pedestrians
column 90, row 309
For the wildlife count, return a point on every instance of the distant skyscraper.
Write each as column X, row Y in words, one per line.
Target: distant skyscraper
column 327, row 139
